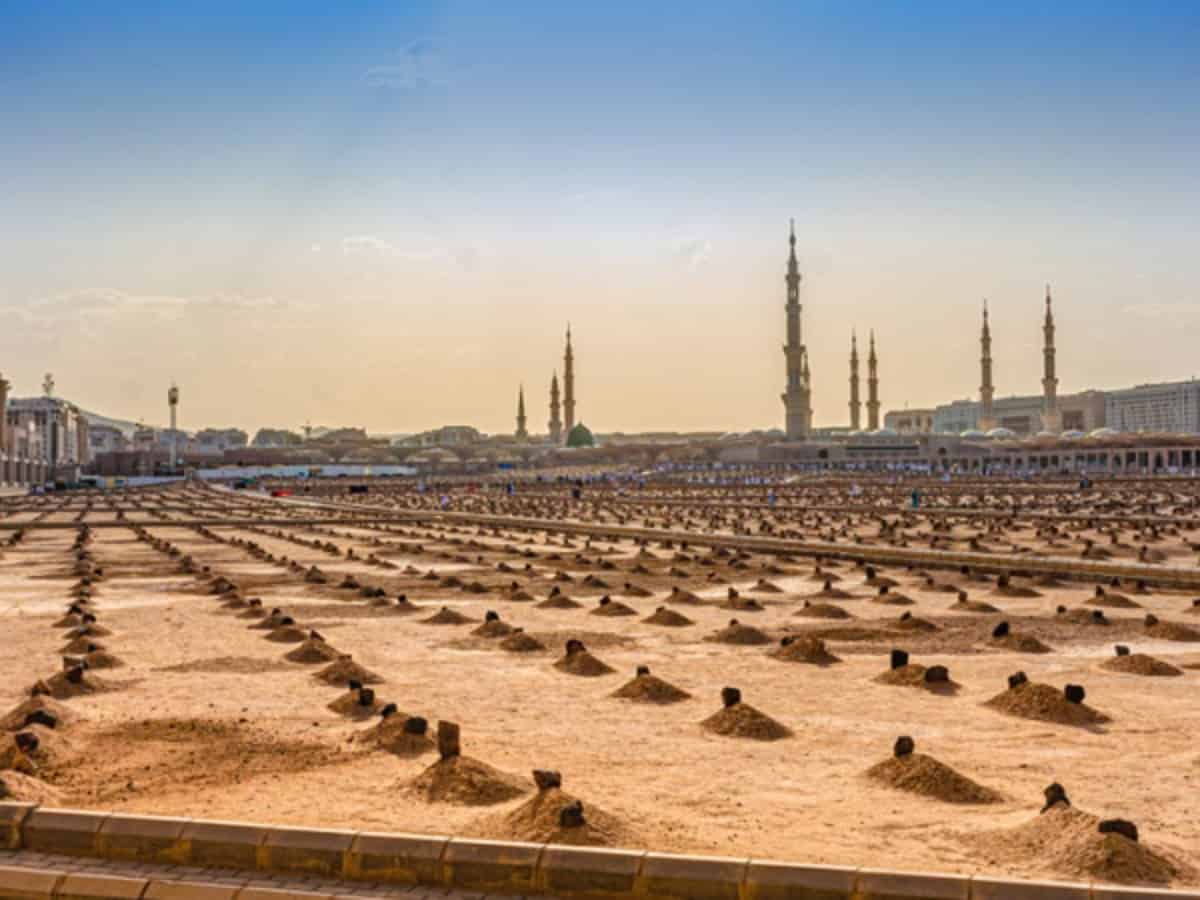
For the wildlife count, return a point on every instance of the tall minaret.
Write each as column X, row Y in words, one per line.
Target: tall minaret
column 798, row 395
column 555, row 424
column 569, row 385
column 872, row 387
column 173, row 403
column 1051, row 418
column 855, row 404
column 4, row 386
column 987, row 418
column 521, row 434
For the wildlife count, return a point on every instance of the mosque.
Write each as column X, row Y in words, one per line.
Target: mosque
column 562, row 429
column 1012, row 433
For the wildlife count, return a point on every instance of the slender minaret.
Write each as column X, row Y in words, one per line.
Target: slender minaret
column 4, row 386
column 987, row 418
column 855, row 404
column 173, row 402
column 872, row 387
column 555, row 424
column 798, row 396
column 522, row 433
column 1051, row 418
column 568, row 386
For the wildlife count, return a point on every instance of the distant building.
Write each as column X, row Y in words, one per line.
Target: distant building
column 55, row 431
column 910, row 421
column 1172, row 407
column 106, row 439
column 446, row 436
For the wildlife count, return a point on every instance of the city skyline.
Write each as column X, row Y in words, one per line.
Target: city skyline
column 387, row 220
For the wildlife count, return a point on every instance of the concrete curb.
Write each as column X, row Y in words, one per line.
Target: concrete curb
column 494, row 867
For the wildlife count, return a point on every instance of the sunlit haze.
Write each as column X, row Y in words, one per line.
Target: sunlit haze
column 386, row 215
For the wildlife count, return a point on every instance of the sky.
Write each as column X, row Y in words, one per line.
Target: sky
column 386, row 214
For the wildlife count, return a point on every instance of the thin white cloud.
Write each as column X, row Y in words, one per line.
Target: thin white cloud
column 417, row 65
column 693, row 251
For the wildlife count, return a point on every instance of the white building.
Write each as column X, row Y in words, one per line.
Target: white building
column 62, row 434
column 1172, row 407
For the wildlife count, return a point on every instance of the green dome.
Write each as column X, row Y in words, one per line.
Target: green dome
column 580, row 436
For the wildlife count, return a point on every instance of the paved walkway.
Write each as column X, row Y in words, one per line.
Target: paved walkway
column 231, row 878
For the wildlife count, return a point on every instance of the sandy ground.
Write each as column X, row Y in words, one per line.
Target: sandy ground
column 207, row 719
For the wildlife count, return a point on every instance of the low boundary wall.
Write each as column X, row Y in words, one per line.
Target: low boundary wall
column 491, row 867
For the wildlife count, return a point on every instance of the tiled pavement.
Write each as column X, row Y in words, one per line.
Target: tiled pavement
column 231, row 878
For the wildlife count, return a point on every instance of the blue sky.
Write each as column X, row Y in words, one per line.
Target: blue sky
column 188, row 182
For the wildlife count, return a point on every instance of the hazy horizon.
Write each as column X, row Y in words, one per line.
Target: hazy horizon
column 386, row 218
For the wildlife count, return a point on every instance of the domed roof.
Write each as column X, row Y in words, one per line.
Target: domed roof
column 1045, row 434
column 1104, row 433
column 581, row 436
column 1002, row 433
column 973, row 433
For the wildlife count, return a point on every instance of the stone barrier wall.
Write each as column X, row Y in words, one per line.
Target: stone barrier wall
column 490, row 867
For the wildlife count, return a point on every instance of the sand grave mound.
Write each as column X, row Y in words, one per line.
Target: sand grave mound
column 81, row 645
column 578, row 661
column 102, row 659
column 647, row 688
column 919, row 774
column 919, row 676
column 892, row 598
column 851, row 634
column 17, row 718
column 609, row 607
column 447, row 616
column 810, row 650
column 739, row 634
column 493, row 628
column 344, row 670
column 668, row 618
column 1020, row 643
column 833, row 593
column 687, row 598
column 1068, row 841
column 33, row 749
column 822, row 611
column 289, row 633
column 908, row 622
column 398, row 734
column 1081, row 616
column 558, row 601
column 521, row 642
column 738, row 719
column 1172, row 631
column 1140, row 664
column 974, row 606
column 1112, row 601
column 1031, row 700
column 17, row 787
column 539, row 820
column 68, row 684
column 311, row 652
column 356, row 704
column 464, row 781
column 460, row 779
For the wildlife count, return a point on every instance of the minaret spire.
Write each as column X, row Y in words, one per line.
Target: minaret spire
column 522, row 433
column 568, row 385
column 987, row 418
column 872, row 387
column 855, row 404
column 555, row 424
column 1051, row 418
column 797, row 396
